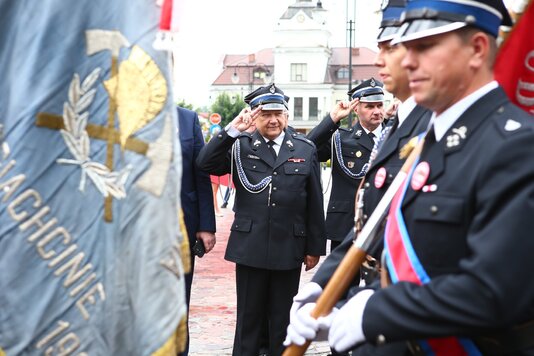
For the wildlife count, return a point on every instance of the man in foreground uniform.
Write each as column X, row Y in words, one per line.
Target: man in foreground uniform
column 349, row 151
column 279, row 217
column 467, row 203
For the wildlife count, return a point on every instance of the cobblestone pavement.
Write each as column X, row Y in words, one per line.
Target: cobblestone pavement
column 213, row 302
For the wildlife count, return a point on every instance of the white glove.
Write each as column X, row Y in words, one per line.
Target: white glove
column 305, row 327
column 299, row 330
column 346, row 329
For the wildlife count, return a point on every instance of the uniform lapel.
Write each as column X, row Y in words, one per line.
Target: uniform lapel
column 362, row 137
column 262, row 150
column 406, row 130
column 436, row 152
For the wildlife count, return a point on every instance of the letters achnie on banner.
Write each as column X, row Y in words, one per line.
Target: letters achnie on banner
column 79, row 276
column 137, row 93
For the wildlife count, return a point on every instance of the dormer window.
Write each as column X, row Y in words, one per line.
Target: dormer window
column 342, row 73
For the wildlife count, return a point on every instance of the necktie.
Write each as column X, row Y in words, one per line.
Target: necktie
column 372, row 136
column 271, row 149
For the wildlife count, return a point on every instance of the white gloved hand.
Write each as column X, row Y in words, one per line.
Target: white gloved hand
column 304, row 327
column 346, row 328
column 297, row 334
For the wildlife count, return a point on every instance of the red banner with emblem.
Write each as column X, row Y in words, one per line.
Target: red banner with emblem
column 514, row 66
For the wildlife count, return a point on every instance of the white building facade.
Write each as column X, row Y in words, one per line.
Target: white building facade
column 302, row 63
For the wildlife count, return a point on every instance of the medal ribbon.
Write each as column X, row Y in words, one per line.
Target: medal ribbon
column 404, row 265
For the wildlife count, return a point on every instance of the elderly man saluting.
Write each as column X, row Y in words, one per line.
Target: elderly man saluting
column 279, row 221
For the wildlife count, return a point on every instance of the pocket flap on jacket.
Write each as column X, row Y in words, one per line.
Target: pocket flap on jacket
column 242, row 224
column 339, row 206
column 299, row 230
column 440, row 208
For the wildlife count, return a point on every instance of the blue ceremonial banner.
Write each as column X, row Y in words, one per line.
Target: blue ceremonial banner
column 89, row 182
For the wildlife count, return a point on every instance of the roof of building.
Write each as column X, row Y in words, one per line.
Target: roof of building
column 244, row 65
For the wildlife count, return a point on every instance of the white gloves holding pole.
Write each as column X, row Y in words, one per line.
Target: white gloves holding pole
column 343, row 326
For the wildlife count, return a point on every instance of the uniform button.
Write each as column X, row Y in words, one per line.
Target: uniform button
column 333, row 207
column 365, row 216
column 380, row 339
column 273, row 204
column 296, row 169
column 500, row 110
column 236, row 226
column 390, row 175
column 274, row 188
column 367, row 185
column 253, row 166
column 434, row 209
column 274, row 173
column 219, row 135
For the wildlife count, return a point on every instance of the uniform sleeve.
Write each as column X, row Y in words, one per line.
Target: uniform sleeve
column 321, row 136
column 316, row 237
column 330, row 264
column 214, row 158
column 493, row 288
column 202, row 179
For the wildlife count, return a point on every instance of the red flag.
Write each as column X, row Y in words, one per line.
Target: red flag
column 514, row 66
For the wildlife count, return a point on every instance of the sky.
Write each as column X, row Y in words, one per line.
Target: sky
column 208, row 29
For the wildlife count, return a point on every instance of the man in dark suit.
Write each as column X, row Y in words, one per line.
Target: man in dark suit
column 348, row 151
column 468, row 202
column 196, row 194
column 279, row 221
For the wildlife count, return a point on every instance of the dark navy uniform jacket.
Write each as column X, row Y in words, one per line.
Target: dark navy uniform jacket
column 273, row 232
column 387, row 158
column 356, row 149
column 473, row 234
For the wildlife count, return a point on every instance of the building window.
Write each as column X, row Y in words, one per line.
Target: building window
column 297, row 108
column 313, row 108
column 343, row 73
column 298, row 72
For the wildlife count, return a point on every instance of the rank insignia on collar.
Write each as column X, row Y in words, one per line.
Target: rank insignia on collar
column 256, row 143
column 358, row 133
column 359, row 154
column 350, row 164
column 457, row 135
column 289, row 143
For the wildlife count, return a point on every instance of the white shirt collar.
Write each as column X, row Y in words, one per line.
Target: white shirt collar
column 405, row 108
column 446, row 119
column 277, row 141
column 377, row 131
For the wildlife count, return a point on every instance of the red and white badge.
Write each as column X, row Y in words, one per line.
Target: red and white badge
column 380, row 177
column 420, row 175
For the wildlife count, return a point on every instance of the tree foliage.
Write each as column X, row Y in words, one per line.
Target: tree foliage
column 185, row 105
column 227, row 108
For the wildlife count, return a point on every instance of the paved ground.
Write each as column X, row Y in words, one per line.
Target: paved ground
column 213, row 302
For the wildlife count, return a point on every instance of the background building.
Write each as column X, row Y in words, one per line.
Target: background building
column 314, row 75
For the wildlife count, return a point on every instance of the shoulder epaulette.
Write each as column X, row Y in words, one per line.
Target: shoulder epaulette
column 515, row 121
column 245, row 134
column 347, row 129
column 301, row 137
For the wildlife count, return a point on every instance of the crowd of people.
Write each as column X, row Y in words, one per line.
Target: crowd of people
column 448, row 273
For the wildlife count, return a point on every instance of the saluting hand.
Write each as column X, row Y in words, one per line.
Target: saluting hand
column 245, row 118
column 343, row 109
